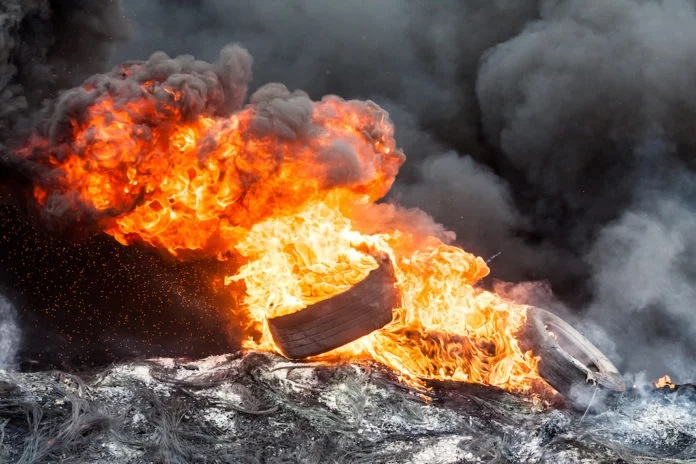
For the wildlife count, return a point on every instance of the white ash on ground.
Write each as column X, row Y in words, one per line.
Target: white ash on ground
column 260, row 408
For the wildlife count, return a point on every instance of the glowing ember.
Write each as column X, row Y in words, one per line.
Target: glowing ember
column 290, row 197
column 665, row 381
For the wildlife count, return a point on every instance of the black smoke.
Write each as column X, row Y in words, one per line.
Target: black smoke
column 48, row 45
column 557, row 133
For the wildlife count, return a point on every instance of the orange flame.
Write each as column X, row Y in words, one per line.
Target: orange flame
column 218, row 186
column 665, row 381
column 444, row 329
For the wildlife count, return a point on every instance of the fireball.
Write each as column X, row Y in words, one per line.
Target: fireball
column 163, row 153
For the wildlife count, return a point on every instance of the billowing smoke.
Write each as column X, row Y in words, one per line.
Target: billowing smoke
column 593, row 105
column 46, row 45
column 555, row 135
column 577, row 99
column 10, row 335
column 643, row 279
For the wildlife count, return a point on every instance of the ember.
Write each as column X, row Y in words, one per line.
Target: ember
column 289, row 185
column 665, row 381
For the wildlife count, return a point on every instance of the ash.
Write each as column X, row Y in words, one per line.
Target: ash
column 261, row 408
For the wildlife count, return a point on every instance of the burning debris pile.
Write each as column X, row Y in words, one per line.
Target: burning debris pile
column 164, row 152
column 281, row 198
column 261, row 408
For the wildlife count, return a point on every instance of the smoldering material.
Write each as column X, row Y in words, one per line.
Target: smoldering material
column 260, row 408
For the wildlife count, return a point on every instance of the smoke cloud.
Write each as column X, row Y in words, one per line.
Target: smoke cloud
column 554, row 134
column 47, row 45
column 592, row 103
column 571, row 101
column 643, row 279
column 10, row 334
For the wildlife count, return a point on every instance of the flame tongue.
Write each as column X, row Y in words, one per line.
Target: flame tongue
column 285, row 183
column 299, row 260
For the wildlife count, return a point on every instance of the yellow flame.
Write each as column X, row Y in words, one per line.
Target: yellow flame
column 664, row 381
column 445, row 328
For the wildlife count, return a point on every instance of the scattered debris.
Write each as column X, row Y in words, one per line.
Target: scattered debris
column 260, row 408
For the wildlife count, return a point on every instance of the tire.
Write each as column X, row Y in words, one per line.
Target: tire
column 321, row 327
column 569, row 362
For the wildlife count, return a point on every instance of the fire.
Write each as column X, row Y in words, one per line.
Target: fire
column 291, row 201
column 444, row 329
column 309, row 256
column 665, row 381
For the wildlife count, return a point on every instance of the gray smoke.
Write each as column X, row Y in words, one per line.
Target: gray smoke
column 644, row 267
column 571, row 100
column 593, row 103
column 470, row 199
column 10, row 334
column 277, row 110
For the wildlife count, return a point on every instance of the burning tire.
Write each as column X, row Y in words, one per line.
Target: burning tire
column 569, row 362
column 321, row 327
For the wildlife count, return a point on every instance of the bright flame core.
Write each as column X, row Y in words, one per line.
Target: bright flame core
column 214, row 186
column 445, row 328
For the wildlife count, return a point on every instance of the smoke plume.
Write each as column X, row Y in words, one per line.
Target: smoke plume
column 10, row 335
column 47, row 45
column 598, row 125
column 643, row 279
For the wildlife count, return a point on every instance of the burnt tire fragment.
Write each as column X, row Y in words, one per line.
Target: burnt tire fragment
column 321, row 327
column 569, row 362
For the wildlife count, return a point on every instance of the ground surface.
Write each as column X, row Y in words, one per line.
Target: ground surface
column 261, row 408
